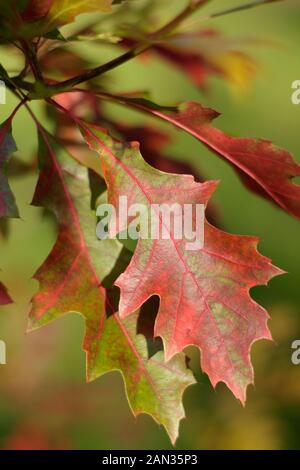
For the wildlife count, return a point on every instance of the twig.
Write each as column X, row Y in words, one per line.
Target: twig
column 162, row 32
column 191, row 8
column 239, row 8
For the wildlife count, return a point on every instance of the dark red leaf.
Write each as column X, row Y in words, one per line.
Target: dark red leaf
column 270, row 168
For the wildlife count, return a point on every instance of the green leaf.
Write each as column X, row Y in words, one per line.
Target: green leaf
column 153, row 386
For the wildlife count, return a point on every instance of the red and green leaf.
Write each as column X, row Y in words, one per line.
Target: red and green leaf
column 204, row 294
column 71, row 281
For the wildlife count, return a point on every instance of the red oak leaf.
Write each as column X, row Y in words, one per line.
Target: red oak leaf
column 265, row 168
column 62, row 289
column 204, row 294
column 70, row 281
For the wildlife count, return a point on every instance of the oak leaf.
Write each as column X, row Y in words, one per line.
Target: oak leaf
column 264, row 168
column 204, row 294
column 71, row 281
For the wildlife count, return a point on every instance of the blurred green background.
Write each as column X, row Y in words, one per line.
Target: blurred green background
column 44, row 401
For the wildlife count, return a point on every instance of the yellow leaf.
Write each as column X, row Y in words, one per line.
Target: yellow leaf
column 65, row 11
column 238, row 68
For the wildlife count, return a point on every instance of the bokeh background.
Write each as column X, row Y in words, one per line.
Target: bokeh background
column 44, row 400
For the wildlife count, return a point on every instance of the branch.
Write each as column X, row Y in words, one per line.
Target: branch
column 30, row 55
column 247, row 6
column 16, row 83
column 191, row 8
